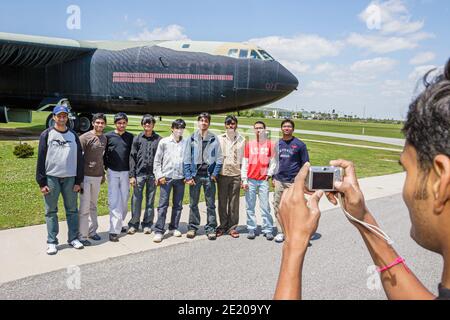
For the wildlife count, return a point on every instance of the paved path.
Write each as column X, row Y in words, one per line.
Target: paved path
column 335, row 267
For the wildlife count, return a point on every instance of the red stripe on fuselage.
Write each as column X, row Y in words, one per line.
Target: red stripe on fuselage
column 135, row 77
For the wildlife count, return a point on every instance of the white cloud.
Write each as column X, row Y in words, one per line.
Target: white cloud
column 323, row 68
column 422, row 58
column 394, row 17
column 295, row 66
column 171, row 32
column 381, row 44
column 396, row 29
column 374, row 66
column 299, row 48
column 420, row 71
column 396, row 89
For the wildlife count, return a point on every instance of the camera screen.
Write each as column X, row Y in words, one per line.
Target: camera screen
column 323, row 181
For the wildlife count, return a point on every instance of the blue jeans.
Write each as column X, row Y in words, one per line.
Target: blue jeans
column 62, row 186
column 147, row 182
column 209, row 188
column 177, row 204
column 262, row 188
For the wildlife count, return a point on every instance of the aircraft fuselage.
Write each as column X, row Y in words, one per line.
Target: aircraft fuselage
column 148, row 79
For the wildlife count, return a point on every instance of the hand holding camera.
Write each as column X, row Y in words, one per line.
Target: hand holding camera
column 339, row 178
column 299, row 217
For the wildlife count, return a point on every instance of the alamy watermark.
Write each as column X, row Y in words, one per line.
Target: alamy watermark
column 373, row 18
column 73, row 281
column 374, row 280
column 74, row 20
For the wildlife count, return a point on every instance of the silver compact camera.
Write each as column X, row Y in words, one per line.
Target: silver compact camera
column 323, row 178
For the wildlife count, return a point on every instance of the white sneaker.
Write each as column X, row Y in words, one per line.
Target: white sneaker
column 176, row 233
column 279, row 238
column 77, row 244
column 158, row 237
column 147, row 230
column 51, row 249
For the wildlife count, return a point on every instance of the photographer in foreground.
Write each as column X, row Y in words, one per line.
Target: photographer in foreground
column 426, row 192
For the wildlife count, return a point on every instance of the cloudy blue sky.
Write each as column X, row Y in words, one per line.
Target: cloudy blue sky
column 354, row 56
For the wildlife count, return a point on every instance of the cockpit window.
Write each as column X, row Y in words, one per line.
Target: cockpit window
column 233, row 53
column 255, row 55
column 243, row 54
column 266, row 56
column 185, row 46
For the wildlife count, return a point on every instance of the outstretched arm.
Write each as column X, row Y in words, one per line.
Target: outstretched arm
column 398, row 281
column 300, row 220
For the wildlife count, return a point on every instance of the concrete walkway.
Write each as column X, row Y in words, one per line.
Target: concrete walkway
column 23, row 250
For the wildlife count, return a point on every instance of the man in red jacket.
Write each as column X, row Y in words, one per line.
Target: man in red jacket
column 258, row 167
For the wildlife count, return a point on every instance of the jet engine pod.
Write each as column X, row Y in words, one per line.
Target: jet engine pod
column 14, row 115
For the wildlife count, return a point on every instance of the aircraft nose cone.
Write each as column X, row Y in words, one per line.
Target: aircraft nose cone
column 287, row 81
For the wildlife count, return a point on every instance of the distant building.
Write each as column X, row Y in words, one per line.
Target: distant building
column 276, row 113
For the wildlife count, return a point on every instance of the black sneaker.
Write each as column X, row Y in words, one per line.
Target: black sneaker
column 269, row 236
column 86, row 243
column 113, row 237
column 251, row 235
column 124, row 230
column 96, row 237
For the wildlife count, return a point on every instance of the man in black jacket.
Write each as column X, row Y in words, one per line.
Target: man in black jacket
column 142, row 155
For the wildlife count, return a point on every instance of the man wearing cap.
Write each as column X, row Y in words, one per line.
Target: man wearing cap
column 117, row 162
column 60, row 171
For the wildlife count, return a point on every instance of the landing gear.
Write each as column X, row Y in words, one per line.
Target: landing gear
column 85, row 122
column 72, row 123
column 81, row 123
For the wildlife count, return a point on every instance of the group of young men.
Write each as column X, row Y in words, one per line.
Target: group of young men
column 68, row 165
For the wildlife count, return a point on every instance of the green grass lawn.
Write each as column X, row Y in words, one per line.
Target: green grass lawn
column 370, row 129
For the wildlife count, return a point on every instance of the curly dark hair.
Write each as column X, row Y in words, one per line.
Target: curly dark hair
column 428, row 120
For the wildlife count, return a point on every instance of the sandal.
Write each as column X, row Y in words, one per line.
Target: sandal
column 234, row 233
column 219, row 233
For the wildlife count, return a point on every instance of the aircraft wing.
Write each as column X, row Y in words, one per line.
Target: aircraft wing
column 19, row 50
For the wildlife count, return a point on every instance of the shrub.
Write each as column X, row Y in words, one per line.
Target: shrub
column 23, row 150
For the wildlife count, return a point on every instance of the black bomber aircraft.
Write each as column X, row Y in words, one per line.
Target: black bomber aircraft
column 136, row 77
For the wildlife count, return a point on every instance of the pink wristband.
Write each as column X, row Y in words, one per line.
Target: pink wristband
column 393, row 264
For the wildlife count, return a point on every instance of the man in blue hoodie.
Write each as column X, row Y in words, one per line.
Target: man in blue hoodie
column 292, row 154
column 201, row 165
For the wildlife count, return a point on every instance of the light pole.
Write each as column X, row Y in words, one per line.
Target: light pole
column 364, row 119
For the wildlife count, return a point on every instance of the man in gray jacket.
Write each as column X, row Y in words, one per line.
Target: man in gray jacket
column 168, row 170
